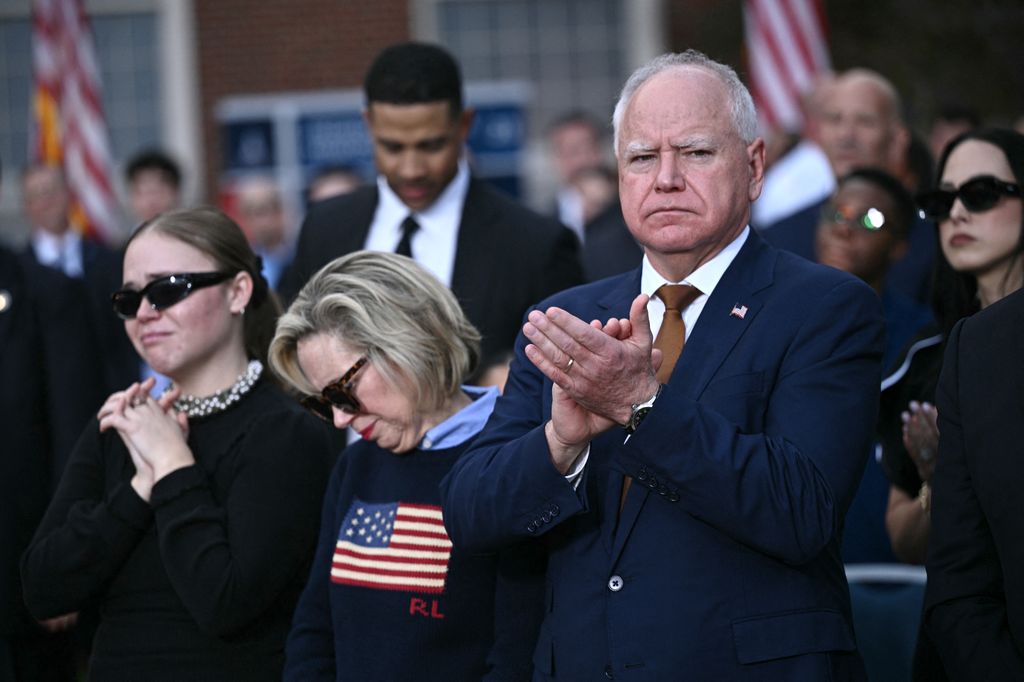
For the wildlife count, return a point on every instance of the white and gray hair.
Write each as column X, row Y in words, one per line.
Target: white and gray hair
column 744, row 116
column 391, row 309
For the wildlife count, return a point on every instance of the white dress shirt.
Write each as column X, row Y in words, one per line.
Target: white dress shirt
column 705, row 278
column 435, row 243
column 61, row 252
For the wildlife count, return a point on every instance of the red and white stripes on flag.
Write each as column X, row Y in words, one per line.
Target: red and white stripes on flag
column 69, row 128
column 787, row 49
column 392, row 546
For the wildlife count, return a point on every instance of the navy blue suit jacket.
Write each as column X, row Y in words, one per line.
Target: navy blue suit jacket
column 725, row 561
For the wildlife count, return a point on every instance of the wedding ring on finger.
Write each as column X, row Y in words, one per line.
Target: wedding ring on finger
column 138, row 400
column 569, row 365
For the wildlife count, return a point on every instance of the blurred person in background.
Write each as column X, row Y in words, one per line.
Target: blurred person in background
column 863, row 231
column 332, row 181
column 190, row 519
column 377, row 344
column 977, row 209
column 861, row 125
column 55, row 243
column 951, row 120
column 575, row 140
column 154, row 184
column 47, row 395
column 265, row 222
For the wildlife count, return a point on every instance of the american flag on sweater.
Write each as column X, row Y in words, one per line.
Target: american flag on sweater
column 392, row 546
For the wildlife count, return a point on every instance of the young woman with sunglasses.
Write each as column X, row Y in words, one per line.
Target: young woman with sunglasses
column 378, row 345
column 189, row 519
column 978, row 213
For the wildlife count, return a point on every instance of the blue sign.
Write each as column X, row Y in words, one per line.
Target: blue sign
column 249, row 145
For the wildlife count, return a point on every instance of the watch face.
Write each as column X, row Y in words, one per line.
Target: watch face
column 637, row 417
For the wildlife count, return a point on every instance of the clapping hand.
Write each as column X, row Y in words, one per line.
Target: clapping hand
column 921, row 437
column 152, row 431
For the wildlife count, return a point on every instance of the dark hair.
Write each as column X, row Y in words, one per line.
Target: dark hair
column 919, row 162
column 220, row 238
column 154, row 160
column 901, row 199
column 956, row 293
column 953, row 112
column 414, row 73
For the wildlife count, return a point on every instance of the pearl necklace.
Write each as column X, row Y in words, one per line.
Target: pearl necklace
column 194, row 406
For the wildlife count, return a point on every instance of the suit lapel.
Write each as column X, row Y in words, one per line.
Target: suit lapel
column 473, row 257
column 352, row 236
column 726, row 316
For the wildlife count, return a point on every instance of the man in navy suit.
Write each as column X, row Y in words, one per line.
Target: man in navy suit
column 497, row 256
column 705, row 545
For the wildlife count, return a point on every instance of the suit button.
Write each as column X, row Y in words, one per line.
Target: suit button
column 554, row 509
column 642, row 474
column 615, row 583
column 532, row 527
column 546, row 517
column 608, row 672
column 673, row 496
column 651, row 483
column 662, row 490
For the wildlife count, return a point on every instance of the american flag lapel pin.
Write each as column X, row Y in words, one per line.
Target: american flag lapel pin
column 739, row 311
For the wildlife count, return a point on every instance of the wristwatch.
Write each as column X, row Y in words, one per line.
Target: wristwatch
column 640, row 411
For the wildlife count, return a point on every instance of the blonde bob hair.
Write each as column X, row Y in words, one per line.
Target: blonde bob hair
column 391, row 309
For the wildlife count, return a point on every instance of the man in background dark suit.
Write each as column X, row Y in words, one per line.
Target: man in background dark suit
column 701, row 541
column 497, row 256
column 974, row 602
column 50, row 385
column 55, row 244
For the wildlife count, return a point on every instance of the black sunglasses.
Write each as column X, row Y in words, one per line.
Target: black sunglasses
column 164, row 292
column 338, row 394
column 977, row 195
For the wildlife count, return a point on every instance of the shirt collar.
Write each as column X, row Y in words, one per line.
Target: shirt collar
column 465, row 423
column 705, row 278
column 58, row 251
column 446, row 210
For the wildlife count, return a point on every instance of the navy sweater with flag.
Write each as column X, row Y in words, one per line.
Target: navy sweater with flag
column 389, row 598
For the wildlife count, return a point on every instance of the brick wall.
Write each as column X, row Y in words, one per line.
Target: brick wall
column 248, row 47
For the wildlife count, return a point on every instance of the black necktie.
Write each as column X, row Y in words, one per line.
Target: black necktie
column 409, row 227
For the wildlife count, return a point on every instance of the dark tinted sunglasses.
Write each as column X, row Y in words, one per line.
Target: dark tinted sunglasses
column 164, row 292
column 977, row 195
column 338, row 394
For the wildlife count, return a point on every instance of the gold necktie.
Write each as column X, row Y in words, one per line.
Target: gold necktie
column 670, row 341
column 672, row 335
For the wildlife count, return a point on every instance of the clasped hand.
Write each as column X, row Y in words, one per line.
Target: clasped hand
column 612, row 367
column 153, row 432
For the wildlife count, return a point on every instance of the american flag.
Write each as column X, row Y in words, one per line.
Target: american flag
column 69, row 128
column 392, row 546
column 739, row 311
column 787, row 49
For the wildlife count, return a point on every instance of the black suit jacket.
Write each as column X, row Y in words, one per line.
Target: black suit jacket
column 609, row 248
column 974, row 603
column 507, row 257
column 50, row 385
column 102, row 275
